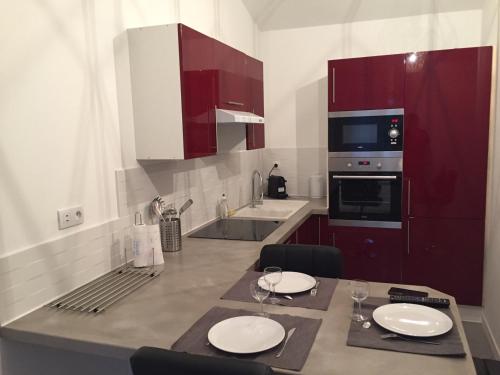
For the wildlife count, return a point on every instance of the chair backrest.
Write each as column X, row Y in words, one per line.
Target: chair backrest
column 314, row 260
column 156, row 361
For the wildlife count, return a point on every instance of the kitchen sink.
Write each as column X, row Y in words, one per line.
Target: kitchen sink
column 271, row 210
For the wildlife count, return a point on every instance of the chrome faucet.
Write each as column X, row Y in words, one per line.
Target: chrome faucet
column 255, row 200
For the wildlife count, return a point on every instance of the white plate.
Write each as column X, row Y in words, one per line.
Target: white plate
column 291, row 282
column 412, row 320
column 246, row 334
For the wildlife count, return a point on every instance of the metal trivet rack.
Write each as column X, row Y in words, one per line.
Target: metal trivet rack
column 101, row 293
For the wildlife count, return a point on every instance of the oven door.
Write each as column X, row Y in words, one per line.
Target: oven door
column 374, row 130
column 365, row 199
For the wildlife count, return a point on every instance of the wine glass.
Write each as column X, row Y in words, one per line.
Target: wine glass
column 359, row 292
column 260, row 294
column 272, row 276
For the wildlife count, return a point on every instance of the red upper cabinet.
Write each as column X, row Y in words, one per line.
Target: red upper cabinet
column 231, row 78
column 196, row 53
column 447, row 99
column 178, row 77
column 255, row 95
column 366, row 83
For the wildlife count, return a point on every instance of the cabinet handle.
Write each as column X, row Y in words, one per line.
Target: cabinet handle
column 364, row 177
column 235, row 103
column 408, row 239
column 333, row 85
column 409, row 196
column 333, row 239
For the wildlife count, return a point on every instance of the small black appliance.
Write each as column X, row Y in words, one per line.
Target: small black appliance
column 276, row 187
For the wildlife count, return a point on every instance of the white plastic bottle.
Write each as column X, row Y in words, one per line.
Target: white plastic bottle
column 223, row 207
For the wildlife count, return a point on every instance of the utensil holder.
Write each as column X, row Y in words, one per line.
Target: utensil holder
column 170, row 233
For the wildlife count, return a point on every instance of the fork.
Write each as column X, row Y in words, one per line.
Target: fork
column 288, row 335
column 314, row 290
column 396, row 336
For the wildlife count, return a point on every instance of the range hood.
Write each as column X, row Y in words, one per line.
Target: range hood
column 224, row 116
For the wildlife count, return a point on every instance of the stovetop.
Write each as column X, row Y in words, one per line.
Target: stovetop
column 236, row 229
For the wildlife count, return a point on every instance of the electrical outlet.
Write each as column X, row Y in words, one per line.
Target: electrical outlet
column 69, row 217
column 276, row 164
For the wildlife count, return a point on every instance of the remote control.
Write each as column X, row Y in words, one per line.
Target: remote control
column 426, row 301
column 406, row 292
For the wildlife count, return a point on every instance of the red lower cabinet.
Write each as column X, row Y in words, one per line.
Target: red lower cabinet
column 308, row 232
column 292, row 239
column 370, row 253
column 447, row 255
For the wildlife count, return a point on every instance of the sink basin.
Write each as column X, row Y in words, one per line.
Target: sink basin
column 271, row 210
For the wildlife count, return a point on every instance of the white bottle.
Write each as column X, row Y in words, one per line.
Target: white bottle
column 223, row 207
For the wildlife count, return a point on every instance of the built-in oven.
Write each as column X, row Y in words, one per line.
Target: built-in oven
column 365, row 191
column 362, row 131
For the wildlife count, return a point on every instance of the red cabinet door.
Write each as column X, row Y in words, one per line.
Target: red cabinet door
column 447, row 99
column 447, row 255
column 255, row 87
column 292, row 239
column 366, row 83
column 326, row 235
column 231, row 80
column 372, row 254
column 197, row 86
column 308, row 232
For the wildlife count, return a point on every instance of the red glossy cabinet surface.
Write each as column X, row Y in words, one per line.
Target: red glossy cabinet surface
column 308, row 232
column 197, row 86
column 255, row 98
column 372, row 254
column 231, row 78
column 366, row 83
column 447, row 99
column 446, row 254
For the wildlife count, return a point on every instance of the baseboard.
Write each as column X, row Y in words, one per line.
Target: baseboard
column 472, row 314
column 491, row 338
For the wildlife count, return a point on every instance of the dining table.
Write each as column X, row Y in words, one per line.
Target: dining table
column 193, row 281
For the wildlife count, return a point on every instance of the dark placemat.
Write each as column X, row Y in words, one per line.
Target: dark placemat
column 450, row 343
column 241, row 292
column 293, row 358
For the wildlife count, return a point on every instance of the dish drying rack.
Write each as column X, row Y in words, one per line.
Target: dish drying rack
column 99, row 294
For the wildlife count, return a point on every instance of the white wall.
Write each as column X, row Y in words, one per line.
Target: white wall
column 491, row 297
column 60, row 141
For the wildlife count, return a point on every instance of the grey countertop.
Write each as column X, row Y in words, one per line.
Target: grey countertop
column 192, row 282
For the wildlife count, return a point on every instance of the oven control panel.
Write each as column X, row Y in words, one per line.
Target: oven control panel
column 365, row 164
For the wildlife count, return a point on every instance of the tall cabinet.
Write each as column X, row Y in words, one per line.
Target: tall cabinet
column 447, row 102
column 446, row 97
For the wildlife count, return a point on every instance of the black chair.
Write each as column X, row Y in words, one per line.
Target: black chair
column 156, row 361
column 486, row 366
column 314, row 260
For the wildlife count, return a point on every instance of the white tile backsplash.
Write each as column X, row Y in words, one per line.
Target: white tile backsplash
column 37, row 275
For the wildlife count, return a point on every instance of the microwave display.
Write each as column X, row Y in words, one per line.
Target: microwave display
column 361, row 133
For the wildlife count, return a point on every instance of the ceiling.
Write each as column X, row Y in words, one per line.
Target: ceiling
column 289, row 14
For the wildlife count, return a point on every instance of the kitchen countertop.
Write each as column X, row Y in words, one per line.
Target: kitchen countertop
column 192, row 282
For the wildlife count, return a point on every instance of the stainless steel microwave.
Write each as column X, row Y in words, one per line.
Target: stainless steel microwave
column 361, row 131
